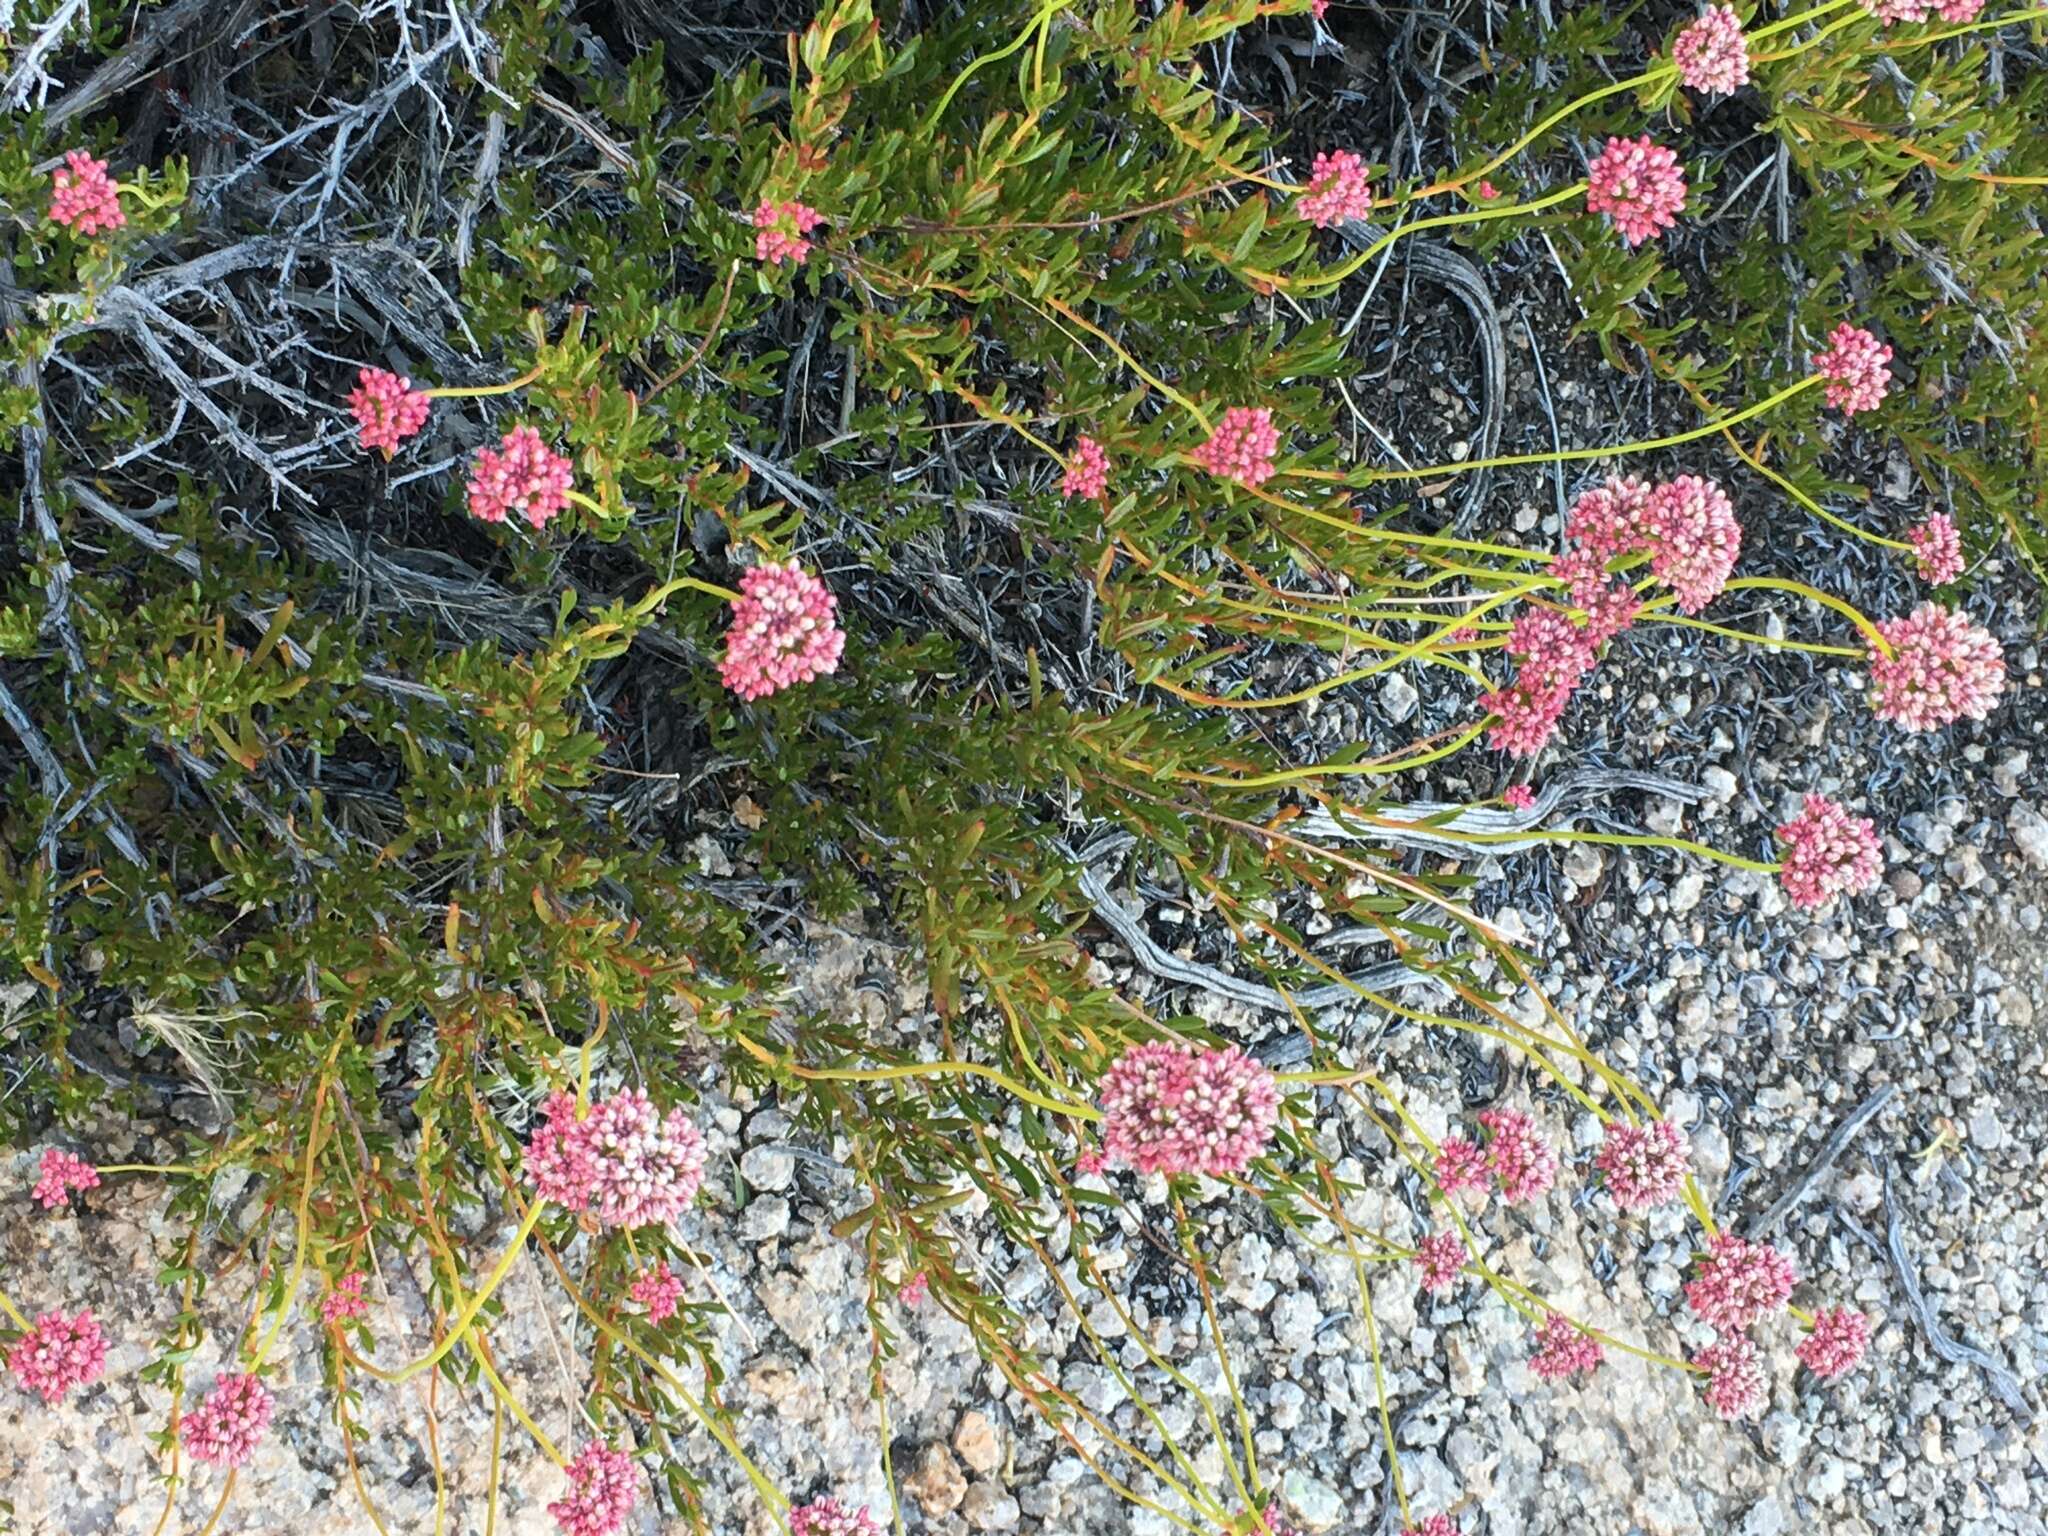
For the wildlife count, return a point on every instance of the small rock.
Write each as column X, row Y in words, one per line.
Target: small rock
column 1985, row 1131
column 978, row 1444
column 764, row 1218
column 1316, row 1504
column 767, row 1167
column 1582, row 864
column 2029, row 829
column 989, row 1508
column 935, row 1483
column 1685, row 895
column 1398, row 698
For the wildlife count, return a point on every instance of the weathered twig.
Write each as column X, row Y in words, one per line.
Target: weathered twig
column 1835, row 1145
column 1564, row 793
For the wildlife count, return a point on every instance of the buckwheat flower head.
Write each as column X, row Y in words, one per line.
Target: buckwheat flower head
column 83, row 196
column 387, row 409
column 1172, row 1109
column 1828, row 853
column 59, row 1174
column 1889, row 11
column 1836, row 1343
column 1958, row 10
column 829, row 1517
column 1942, row 669
column 1694, row 539
column 1440, row 1258
column 1583, row 572
column 1552, row 649
column 1644, row 1165
column 1735, row 1377
column 1609, row 609
column 603, row 1484
column 1520, row 796
column 1319, row 8
column 1712, row 54
column 1242, row 446
column 1528, row 717
column 1270, row 1523
column 1563, row 1349
column 1857, row 367
column 1460, row 1166
column 58, row 1353
column 915, row 1290
column 785, row 631
column 1228, row 1112
column 1612, row 518
column 1737, row 1281
column 781, row 230
column 657, row 1288
column 1434, row 1525
column 1088, row 475
column 1638, row 184
column 346, row 1300
column 625, row 1163
column 226, row 1426
column 1937, row 549
column 1520, row 1159
column 1337, row 190
column 1089, row 1161
column 522, row 474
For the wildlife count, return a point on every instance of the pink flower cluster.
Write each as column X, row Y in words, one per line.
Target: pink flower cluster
column 1520, row 796
column 914, row 1291
column 782, row 230
column 1737, row 1281
column 60, row 1174
column 785, row 631
column 1170, row 1108
column 1857, row 367
column 625, row 1162
column 1644, row 1165
column 657, row 1288
column 1563, row 1349
column 1693, row 539
column 1515, row 1155
column 829, row 1517
column 1937, row 549
column 522, row 474
column 1270, row 1523
column 388, row 410
column 1735, row 1377
column 1942, row 668
column 603, row 1485
column 1638, row 184
column 1889, row 11
column 346, row 1300
column 83, row 197
column 1242, row 446
column 1337, row 190
column 1440, row 1258
column 225, row 1428
column 1433, row 1525
column 1088, row 475
column 1828, row 853
column 1836, row 1342
column 59, row 1353
column 1712, row 54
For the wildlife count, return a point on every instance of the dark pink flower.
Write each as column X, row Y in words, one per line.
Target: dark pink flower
column 1563, row 1349
column 1520, row 1159
column 625, row 1162
column 1645, row 1165
column 1552, row 649
column 1857, row 367
column 1172, row 1109
column 1441, row 1259
column 83, row 197
column 657, row 1288
column 1942, row 669
column 1828, row 853
column 1735, row 1377
column 1087, row 476
column 1460, row 1166
column 785, row 631
column 59, row 1353
column 1639, row 185
column 1612, row 518
column 1319, row 8
column 1527, row 717
column 1836, row 1343
column 387, row 409
column 60, row 1174
column 782, row 228
column 1737, row 1281
column 1242, row 446
column 346, row 1300
column 1694, row 539
column 522, row 474
column 1958, row 10
column 829, row 1517
column 915, row 1290
column 603, row 1485
column 225, row 1428
column 1090, row 1161
column 1890, row 11
column 1520, row 796
column 1712, row 54
column 1937, row 549
column 1337, row 191
column 1434, row 1525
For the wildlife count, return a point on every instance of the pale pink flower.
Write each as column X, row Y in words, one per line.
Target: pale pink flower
column 1612, row 518
column 914, row 1291
column 1521, row 1160
column 1712, row 54
column 1528, row 717
column 782, row 229
column 346, row 1300
column 58, row 1353
column 1552, row 649
column 1520, row 796
column 522, row 474
column 1610, row 608
column 1735, row 1377
column 1089, row 1161
column 1890, row 11
column 1434, row 1525
column 1242, row 446
column 1460, row 1166
column 657, row 1288
column 1270, row 1523
column 1638, row 184
column 1857, row 367
column 625, row 1162
column 1645, row 1165
column 1170, row 1108
column 1937, row 549
column 1958, row 10
column 387, row 409
column 1694, row 539
column 1088, row 475
column 1488, row 191
column 785, row 631
column 1836, row 1343
column 829, row 1517
column 1337, row 191
column 1319, row 8
column 1583, row 571
column 1737, row 1281
column 226, row 1426
column 83, row 197
column 1828, row 853
column 1563, row 1349
column 1441, row 1259
column 1942, row 669
column 603, row 1485
column 60, row 1174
